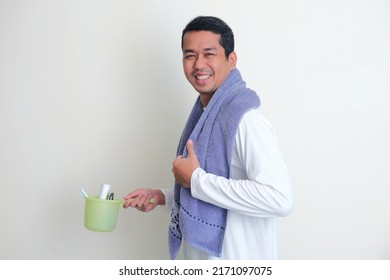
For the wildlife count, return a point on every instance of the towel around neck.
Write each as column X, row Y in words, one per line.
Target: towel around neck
column 212, row 131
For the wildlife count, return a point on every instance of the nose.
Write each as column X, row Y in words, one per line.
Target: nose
column 200, row 62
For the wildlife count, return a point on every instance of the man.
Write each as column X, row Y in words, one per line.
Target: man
column 230, row 179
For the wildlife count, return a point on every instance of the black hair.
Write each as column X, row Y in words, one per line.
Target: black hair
column 215, row 25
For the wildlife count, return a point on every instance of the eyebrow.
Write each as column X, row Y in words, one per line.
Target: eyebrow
column 205, row 50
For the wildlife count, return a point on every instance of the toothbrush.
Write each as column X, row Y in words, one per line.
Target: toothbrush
column 83, row 193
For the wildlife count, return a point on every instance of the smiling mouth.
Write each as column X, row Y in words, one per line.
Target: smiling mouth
column 202, row 77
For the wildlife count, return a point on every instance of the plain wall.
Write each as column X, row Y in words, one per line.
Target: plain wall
column 93, row 92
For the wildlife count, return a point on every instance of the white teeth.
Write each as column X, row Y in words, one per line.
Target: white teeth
column 202, row 77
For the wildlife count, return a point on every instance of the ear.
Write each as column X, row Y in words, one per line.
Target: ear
column 232, row 59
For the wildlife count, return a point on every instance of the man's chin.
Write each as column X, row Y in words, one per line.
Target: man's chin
column 204, row 89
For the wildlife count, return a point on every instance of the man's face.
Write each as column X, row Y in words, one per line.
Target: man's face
column 204, row 62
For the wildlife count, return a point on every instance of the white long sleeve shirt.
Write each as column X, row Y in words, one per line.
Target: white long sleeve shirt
column 258, row 191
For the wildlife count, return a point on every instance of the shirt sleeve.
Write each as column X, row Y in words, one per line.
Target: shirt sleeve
column 167, row 207
column 261, row 184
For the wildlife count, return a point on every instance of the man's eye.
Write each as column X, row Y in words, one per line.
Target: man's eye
column 189, row 56
column 210, row 54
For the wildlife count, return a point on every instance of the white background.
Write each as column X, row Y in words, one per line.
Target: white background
column 93, row 92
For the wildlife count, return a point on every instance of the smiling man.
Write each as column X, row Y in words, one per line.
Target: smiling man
column 231, row 182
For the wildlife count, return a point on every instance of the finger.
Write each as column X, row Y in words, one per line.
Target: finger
column 131, row 195
column 147, row 200
column 134, row 202
column 176, row 162
column 149, row 208
column 179, row 157
column 190, row 148
column 129, row 203
column 141, row 202
column 126, row 203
